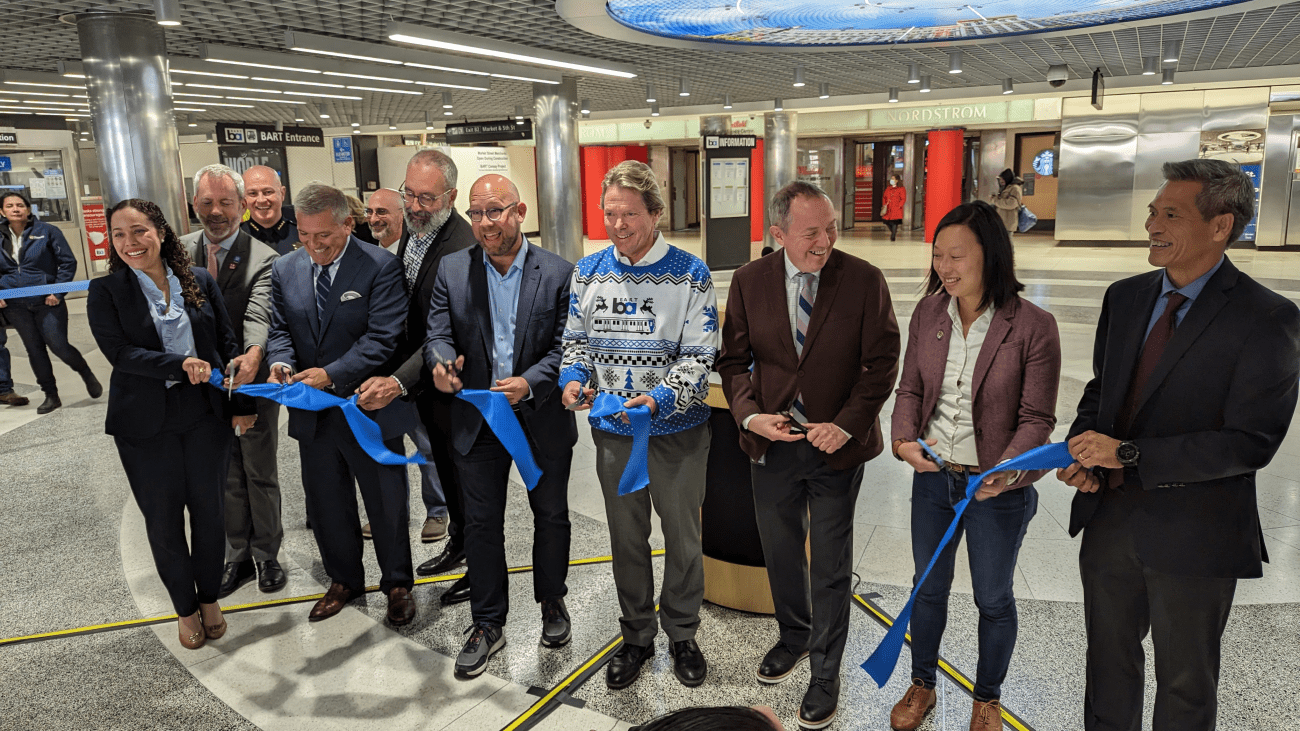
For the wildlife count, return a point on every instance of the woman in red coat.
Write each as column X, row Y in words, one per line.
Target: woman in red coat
column 892, row 209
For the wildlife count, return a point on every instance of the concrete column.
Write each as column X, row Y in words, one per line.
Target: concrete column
column 559, row 183
column 125, row 60
column 780, row 159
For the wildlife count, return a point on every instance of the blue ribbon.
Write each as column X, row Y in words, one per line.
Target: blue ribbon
column 41, row 291
column 302, row 396
column 636, row 475
column 500, row 417
column 881, row 663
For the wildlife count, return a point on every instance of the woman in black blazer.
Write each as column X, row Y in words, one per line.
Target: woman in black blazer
column 162, row 325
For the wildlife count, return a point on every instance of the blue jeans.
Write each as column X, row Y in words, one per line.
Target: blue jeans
column 40, row 327
column 435, row 504
column 996, row 528
column 6, row 379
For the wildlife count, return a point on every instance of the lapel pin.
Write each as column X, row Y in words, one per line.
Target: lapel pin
column 939, row 335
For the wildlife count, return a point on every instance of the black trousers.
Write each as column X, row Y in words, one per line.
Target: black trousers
column 44, row 329
column 330, row 464
column 444, row 459
column 183, row 468
column 796, row 494
column 1123, row 600
column 486, row 472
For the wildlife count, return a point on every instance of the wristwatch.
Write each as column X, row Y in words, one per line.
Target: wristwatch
column 1128, row 454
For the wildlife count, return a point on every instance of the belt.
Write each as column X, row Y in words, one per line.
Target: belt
column 961, row 469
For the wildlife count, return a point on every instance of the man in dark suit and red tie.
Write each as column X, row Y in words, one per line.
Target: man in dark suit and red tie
column 1195, row 383
column 809, row 355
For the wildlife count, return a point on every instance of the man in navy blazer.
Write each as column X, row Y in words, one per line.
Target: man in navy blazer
column 337, row 309
column 498, row 311
column 1195, row 383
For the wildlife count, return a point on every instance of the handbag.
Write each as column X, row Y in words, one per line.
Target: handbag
column 1027, row 220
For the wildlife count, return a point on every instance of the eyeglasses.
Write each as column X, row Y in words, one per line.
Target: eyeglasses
column 426, row 200
column 493, row 214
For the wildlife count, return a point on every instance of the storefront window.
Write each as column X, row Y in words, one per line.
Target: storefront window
column 38, row 175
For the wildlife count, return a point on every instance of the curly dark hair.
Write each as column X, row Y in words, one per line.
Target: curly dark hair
column 173, row 252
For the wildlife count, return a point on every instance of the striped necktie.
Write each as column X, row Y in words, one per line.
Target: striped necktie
column 323, row 283
column 802, row 312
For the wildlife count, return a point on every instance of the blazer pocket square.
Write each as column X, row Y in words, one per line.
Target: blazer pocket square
column 349, row 295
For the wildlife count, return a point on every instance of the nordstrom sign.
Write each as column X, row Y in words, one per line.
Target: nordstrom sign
column 940, row 115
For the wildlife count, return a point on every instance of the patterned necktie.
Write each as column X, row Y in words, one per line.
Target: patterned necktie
column 1154, row 347
column 323, row 283
column 212, row 259
column 802, row 312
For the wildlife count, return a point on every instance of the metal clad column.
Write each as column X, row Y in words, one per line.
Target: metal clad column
column 780, row 160
column 942, row 177
column 125, row 60
column 559, row 183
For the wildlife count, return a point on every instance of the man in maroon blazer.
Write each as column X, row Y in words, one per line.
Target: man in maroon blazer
column 809, row 355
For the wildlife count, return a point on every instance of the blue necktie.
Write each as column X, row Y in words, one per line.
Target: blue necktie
column 636, row 474
column 881, row 663
column 323, row 283
column 501, row 419
column 802, row 312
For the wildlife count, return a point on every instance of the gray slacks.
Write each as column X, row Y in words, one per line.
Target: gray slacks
column 797, row 495
column 676, row 491
column 253, row 527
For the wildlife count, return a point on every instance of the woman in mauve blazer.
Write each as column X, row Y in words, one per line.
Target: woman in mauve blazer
column 163, row 326
column 979, row 385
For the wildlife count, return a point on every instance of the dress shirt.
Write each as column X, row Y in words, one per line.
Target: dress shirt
column 225, row 245
column 170, row 319
column 953, row 423
column 416, row 248
column 1191, row 291
column 503, row 301
column 658, row 250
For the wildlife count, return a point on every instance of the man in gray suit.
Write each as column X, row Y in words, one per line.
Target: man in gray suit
column 242, row 267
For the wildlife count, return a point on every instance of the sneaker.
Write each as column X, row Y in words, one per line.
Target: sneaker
column 484, row 640
column 556, row 631
column 435, row 529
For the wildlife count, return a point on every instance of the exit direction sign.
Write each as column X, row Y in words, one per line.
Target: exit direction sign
column 260, row 134
column 504, row 131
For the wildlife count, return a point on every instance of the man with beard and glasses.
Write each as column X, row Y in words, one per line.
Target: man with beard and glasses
column 384, row 217
column 270, row 220
column 242, row 267
column 434, row 229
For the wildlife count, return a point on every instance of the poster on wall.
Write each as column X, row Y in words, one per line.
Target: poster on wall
column 242, row 158
column 492, row 160
column 1243, row 148
column 92, row 214
column 729, row 187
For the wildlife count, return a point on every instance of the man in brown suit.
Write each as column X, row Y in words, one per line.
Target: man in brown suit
column 817, row 327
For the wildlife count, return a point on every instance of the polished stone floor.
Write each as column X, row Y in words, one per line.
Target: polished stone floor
column 74, row 555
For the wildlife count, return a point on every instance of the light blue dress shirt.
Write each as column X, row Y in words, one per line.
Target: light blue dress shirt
column 170, row 319
column 225, row 245
column 503, row 300
column 1191, row 291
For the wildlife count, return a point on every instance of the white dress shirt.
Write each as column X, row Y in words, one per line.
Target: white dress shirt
column 953, row 423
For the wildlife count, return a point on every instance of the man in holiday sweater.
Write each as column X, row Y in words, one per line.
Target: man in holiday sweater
column 659, row 357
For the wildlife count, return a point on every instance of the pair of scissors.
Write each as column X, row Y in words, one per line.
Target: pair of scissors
column 795, row 426
column 580, row 401
column 930, row 453
column 230, row 381
column 450, row 365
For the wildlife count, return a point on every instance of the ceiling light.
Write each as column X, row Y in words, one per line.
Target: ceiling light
column 446, row 112
column 322, row 112
column 650, row 94
column 201, row 96
column 46, row 84
column 1150, row 65
column 390, row 123
column 394, row 56
column 51, row 102
column 519, row 111
column 45, row 93
column 71, row 69
column 188, row 109
column 1008, row 87
column 726, row 101
column 585, row 107
column 353, row 56
column 913, row 73
column 445, row 85
column 389, row 79
column 205, row 73
column 428, row 119
column 75, row 117
column 463, row 43
column 654, row 110
column 326, row 96
column 264, row 101
column 925, row 84
column 274, row 67
column 778, row 105
column 798, row 76
column 300, row 114
column 446, row 100
column 295, row 81
column 954, row 61
column 355, row 123
column 893, row 95
column 167, row 12
column 223, row 104
column 189, row 121
column 1167, row 77
column 518, row 78
column 1173, row 49
column 683, row 86
column 436, row 67
column 387, row 91
column 519, row 120
column 824, row 90
column 236, row 88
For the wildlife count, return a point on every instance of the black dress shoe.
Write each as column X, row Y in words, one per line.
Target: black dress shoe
column 270, row 577
column 625, row 666
column 819, row 703
column 443, row 562
column 555, row 623
column 688, row 663
column 93, row 386
column 50, row 403
column 235, row 575
column 401, row 606
column 779, row 662
column 459, row 592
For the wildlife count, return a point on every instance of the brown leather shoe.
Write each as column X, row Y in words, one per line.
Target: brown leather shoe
column 13, row 399
column 401, row 606
column 917, row 703
column 986, row 716
column 332, row 603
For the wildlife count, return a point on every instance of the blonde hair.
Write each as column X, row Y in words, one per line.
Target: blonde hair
column 634, row 175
